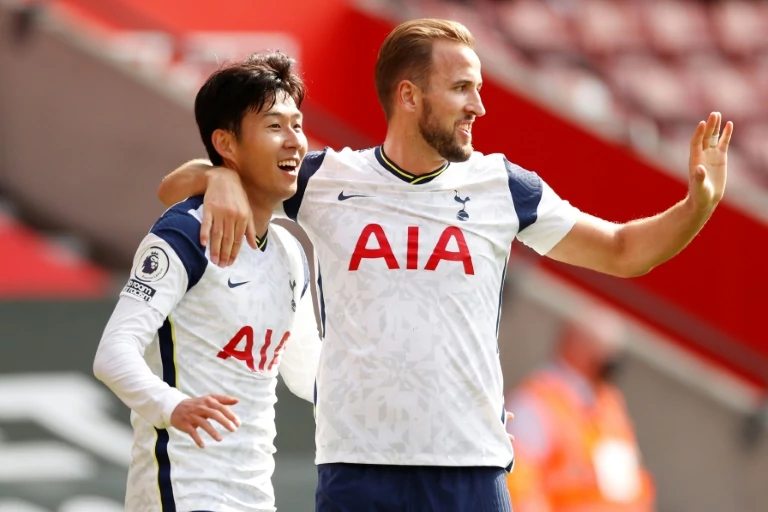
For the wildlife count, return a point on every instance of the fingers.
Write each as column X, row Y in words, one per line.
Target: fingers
column 206, row 425
column 510, row 416
column 217, row 232
column 718, row 122
column 220, row 418
column 697, row 141
column 227, row 412
column 250, row 233
column 205, row 228
column 725, row 139
column 710, row 129
column 237, row 241
column 226, row 400
column 192, row 431
column 226, row 242
column 221, row 413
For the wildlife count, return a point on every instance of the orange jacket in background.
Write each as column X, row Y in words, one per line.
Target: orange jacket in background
column 591, row 463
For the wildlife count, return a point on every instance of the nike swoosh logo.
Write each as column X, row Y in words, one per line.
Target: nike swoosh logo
column 342, row 197
column 235, row 285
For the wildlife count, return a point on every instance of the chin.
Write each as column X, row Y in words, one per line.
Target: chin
column 289, row 192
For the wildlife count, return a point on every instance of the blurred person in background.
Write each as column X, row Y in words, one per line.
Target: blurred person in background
column 189, row 343
column 575, row 444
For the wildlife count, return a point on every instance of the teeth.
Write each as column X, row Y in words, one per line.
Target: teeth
column 288, row 163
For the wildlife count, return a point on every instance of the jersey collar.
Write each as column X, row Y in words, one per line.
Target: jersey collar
column 261, row 242
column 402, row 173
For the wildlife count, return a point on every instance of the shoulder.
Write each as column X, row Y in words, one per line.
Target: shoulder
column 314, row 160
column 179, row 227
column 185, row 217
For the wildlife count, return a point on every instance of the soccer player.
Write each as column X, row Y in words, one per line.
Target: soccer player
column 191, row 345
column 412, row 239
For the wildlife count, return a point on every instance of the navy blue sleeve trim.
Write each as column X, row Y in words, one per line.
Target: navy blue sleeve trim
column 182, row 232
column 312, row 162
column 526, row 189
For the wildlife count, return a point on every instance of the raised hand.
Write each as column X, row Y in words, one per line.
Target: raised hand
column 707, row 164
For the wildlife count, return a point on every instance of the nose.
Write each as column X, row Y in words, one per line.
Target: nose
column 292, row 139
column 475, row 105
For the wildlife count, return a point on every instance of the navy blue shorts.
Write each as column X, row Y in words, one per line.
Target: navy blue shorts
column 378, row 488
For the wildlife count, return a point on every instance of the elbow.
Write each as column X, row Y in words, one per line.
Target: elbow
column 627, row 265
column 101, row 367
column 164, row 193
column 98, row 368
column 304, row 390
column 630, row 271
column 627, row 262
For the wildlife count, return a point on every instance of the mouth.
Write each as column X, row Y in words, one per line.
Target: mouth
column 466, row 127
column 289, row 165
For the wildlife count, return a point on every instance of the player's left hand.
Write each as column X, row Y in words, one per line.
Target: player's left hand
column 510, row 417
column 707, row 164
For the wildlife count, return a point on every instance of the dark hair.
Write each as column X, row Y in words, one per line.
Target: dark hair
column 238, row 89
column 406, row 54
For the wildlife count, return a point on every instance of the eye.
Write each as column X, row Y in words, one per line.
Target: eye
column 274, row 125
column 297, row 126
column 460, row 88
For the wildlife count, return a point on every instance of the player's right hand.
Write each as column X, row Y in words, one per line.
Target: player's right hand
column 194, row 413
column 227, row 216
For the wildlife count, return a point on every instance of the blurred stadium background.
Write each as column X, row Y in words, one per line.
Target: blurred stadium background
column 598, row 96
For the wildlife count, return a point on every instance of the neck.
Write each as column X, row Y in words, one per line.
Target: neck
column 261, row 206
column 405, row 146
column 261, row 209
column 580, row 367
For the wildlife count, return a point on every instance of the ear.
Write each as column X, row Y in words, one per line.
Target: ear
column 224, row 143
column 408, row 95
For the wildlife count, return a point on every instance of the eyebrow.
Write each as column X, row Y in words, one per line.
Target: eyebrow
column 273, row 113
column 466, row 81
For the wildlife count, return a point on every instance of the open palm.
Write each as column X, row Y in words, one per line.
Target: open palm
column 707, row 164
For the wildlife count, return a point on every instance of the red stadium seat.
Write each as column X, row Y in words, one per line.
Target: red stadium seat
column 534, row 27
column 741, row 27
column 655, row 88
column 754, row 139
column 676, row 28
column 724, row 87
column 583, row 92
column 757, row 70
column 606, row 27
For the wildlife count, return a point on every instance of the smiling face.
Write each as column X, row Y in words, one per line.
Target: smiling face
column 269, row 148
column 249, row 120
column 451, row 100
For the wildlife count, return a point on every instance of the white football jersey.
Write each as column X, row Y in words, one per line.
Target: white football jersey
column 410, row 276
column 223, row 331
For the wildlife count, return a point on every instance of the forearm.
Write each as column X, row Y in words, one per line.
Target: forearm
column 119, row 363
column 190, row 179
column 648, row 242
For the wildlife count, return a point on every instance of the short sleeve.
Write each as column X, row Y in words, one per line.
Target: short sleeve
column 158, row 277
column 170, row 259
column 544, row 218
column 309, row 166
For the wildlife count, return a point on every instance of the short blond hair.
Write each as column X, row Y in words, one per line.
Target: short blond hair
column 406, row 54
